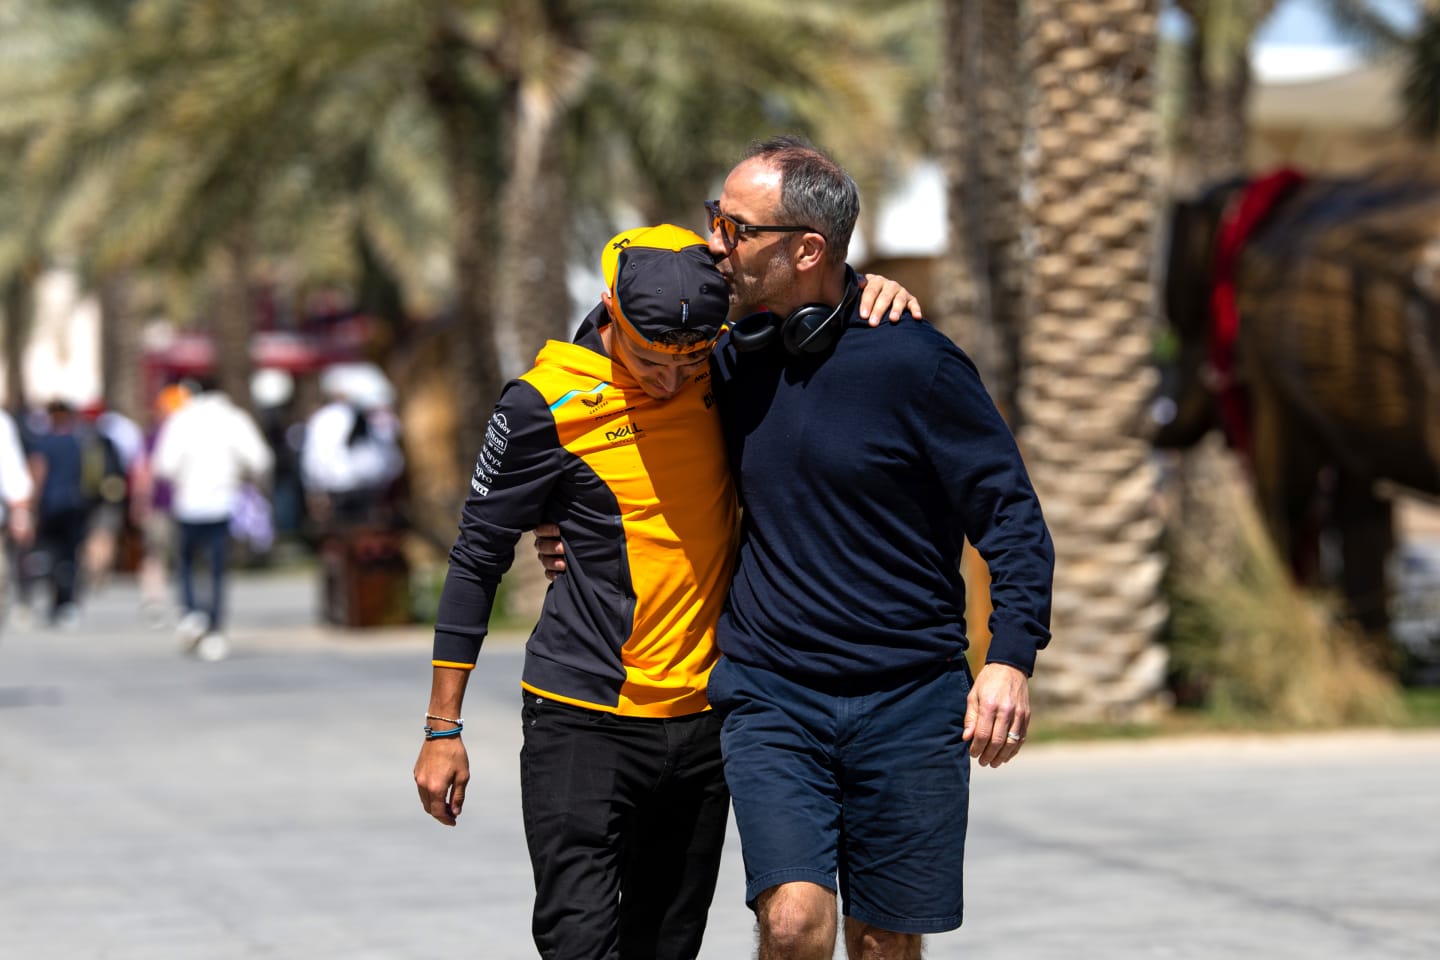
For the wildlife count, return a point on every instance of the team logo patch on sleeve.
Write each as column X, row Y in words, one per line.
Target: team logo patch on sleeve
column 489, row 464
column 494, row 439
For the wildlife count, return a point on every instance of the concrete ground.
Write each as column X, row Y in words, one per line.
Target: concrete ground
column 156, row 807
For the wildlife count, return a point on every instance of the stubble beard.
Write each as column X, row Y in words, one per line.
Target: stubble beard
column 764, row 292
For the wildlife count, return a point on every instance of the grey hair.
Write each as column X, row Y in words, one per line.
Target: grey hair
column 814, row 190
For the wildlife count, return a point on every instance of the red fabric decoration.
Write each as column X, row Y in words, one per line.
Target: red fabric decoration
column 1245, row 214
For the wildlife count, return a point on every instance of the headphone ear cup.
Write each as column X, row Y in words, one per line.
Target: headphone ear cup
column 812, row 328
column 807, row 329
column 754, row 332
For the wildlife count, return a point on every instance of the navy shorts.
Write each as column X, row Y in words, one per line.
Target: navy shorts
column 871, row 789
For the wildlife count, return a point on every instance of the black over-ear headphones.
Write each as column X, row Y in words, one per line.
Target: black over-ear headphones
column 811, row 328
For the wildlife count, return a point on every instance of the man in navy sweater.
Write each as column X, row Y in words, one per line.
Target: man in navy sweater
column 865, row 456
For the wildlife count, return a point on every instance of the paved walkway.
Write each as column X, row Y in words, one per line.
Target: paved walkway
column 155, row 807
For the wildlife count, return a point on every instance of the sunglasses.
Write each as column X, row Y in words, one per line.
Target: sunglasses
column 733, row 230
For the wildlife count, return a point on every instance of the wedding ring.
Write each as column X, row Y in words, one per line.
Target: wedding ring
column 1014, row 737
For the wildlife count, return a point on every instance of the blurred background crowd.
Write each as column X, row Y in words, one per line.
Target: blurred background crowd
column 90, row 492
column 1194, row 267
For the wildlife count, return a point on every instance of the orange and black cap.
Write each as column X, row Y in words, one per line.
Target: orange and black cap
column 663, row 279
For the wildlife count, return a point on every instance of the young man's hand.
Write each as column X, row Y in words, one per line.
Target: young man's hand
column 550, row 549
column 878, row 294
column 443, row 770
column 441, row 775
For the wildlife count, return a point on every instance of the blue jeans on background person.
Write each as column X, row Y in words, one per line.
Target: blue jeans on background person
column 212, row 539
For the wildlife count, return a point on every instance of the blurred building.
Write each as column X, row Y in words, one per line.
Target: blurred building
column 1325, row 111
column 62, row 360
column 62, row 353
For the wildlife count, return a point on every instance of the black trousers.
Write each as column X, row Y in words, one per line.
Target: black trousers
column 625, row 819
column 58, row 537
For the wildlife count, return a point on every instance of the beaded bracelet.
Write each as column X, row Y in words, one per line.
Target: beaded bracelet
column 433, row 734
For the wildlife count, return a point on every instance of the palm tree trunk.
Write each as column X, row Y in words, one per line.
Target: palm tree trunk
column 1087, row 376
column 473, row 164
column 1215, row 140
column 532, row 303
column 1214, row 134
column 980, row 134
column 1001, row 123
column 233, row 324
column 19, row 301
column 978, row 137
column 547, row 69
column 479, row 379
column 963, row 295
column 120, row 349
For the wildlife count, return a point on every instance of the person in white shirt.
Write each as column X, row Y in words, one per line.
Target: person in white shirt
column 16, row 492
column 207, row 449
column 351, row 453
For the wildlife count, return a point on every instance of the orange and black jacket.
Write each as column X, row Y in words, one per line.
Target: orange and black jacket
column 646, row 509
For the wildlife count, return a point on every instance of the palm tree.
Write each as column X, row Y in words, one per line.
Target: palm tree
column 1214, row 135
column 1214, row 132
column 216, row 139
column 979, row 133
column 678, row 87
column 1086, row 374
column 221, row 136
column 18, row 282
column 168, row 127
column 610, row 106
column 1419, row 49
column 1367, row 22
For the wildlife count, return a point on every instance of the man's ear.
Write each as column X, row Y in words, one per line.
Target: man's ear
column 812, row 252
column 607, row 298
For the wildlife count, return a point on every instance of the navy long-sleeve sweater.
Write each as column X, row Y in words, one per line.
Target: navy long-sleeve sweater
column 860, row 473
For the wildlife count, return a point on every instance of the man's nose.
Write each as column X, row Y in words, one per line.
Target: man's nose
column 670, row 379
column 716, row 244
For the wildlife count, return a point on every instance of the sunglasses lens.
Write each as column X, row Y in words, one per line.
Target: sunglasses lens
column 724, row 223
